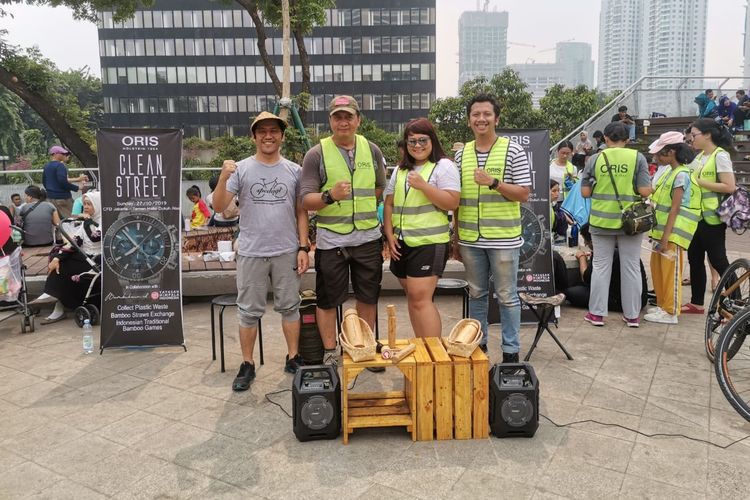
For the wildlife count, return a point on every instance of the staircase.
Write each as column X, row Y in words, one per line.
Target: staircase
column 645, row 136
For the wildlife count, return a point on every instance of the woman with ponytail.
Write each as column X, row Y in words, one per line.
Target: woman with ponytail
column 712, row 171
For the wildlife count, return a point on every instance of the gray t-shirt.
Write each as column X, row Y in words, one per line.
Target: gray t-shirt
column 37, row 224
column 268, row 195
column 642, row 178
column 314, row 177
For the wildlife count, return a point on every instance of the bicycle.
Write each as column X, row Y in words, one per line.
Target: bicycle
column 731, row 295
column 733, row 366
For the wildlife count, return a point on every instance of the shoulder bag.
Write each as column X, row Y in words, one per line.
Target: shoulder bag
column 639, row 217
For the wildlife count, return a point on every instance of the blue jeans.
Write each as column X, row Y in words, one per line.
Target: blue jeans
column 503, row 266
column 631, row 131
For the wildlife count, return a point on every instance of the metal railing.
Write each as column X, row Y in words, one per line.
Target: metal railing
column 668, row 95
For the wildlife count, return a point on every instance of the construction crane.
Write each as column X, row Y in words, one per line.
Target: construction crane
column 555, row 47
column 522, row 44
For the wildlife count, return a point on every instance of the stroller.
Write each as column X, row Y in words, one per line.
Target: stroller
column 89, row 309
column 13, row 290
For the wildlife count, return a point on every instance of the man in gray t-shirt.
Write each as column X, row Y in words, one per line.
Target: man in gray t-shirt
column 343, row 178
column 273, row 239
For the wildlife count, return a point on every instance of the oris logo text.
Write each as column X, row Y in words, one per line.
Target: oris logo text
column 140, row 140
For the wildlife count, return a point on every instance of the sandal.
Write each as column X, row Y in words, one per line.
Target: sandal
column 692, row 309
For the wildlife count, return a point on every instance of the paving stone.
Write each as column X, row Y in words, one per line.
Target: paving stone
column 678, row 462
column 474, row 484
column 635, row 487
column 39, row 440
column 602, row 395
column 578, row 479
column 167, row 482
column 67, row 490
column 133, row 428
column 25, row 479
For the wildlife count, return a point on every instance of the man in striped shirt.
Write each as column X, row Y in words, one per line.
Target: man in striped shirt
column 495, row 180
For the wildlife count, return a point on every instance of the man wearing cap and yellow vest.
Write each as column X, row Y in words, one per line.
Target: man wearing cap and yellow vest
column 495, row 180
column 342, row 179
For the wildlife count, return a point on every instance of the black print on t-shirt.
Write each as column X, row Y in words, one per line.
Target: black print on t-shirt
column 268, row 191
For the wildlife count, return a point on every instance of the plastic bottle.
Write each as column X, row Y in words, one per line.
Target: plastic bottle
column 573, row 236
column 88, row 337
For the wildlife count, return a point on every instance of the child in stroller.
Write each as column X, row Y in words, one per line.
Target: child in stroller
column 74, row 268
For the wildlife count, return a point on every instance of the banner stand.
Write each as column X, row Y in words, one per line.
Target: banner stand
column 141, row 173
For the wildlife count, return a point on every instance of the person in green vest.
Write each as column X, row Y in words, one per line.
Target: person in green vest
column 417, row 200
column 632, row 182
column 676, row 200
column 342, row 179
column 495, row 180
column 562, row 170
column 713, row 172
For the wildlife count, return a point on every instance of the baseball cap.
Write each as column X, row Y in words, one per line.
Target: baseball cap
column 666, row 139
column 58, row 149
column 343, row 103
column 265, row 115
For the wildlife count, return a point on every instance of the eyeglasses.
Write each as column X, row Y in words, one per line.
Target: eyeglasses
column 422, row 141
column 694, row 135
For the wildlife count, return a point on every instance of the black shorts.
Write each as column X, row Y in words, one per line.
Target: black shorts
column 332, row 269
column 420, row 262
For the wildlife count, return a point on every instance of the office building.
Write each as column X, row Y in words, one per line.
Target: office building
column 746, row 47
column 620, row 33
column 572, row 67
column 482, row 44
column 195, row 64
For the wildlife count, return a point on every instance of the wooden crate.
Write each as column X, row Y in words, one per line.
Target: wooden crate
column 379, row 409
column 442, row 370
column 424, row 391
column 471, row 396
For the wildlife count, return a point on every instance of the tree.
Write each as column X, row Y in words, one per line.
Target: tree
column 11, row 132
column 563, row 109
column 509, row 90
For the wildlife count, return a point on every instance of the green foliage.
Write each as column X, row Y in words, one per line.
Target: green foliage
column 564, row 109
column 235, row 148
column 35, row 145
column 11, row 130
column 385, row 140
column 303, row 14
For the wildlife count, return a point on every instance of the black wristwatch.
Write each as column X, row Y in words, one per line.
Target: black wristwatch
column 494, row 185
column 305, row 248
column 327, row 198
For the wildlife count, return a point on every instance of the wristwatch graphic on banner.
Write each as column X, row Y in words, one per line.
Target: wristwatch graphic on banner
column 535, row 235
column 139, row 246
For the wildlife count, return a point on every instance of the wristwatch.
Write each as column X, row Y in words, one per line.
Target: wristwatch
column 535, row 235
column 139, row 246
column 327, row 198
column 494, row 185
column 304, row 248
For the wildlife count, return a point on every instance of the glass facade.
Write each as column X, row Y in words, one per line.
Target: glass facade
column 195, row 64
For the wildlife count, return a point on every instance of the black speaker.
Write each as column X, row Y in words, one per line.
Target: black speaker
column 316, row 403
column 514, row 400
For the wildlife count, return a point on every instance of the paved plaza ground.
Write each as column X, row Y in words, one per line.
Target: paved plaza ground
column 162, row 423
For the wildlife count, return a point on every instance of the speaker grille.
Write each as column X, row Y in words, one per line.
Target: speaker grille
column 317, row 413
column 517, row 410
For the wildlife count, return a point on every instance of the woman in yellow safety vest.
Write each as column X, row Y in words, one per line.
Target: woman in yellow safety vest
column 712, row 171
column 562, row 170
column 677, row 204
column 420, row 193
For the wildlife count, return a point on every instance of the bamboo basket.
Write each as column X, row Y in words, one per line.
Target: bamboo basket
column 463, row 349
column 359, row 353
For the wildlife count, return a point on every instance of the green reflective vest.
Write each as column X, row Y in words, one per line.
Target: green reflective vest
column 710, row 200
column 570, row 170
column 360, row 210
column 484, row 212
column 605, row 211
column 415, row 219
column 687, row 218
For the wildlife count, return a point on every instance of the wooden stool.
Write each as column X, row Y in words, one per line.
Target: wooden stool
column 544, row 310
column 224, row 301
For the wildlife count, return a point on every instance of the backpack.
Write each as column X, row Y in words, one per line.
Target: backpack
column 734, row 211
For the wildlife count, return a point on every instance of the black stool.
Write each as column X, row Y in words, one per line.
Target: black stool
column 544, row 310
column 224, row 301
column 456, row 284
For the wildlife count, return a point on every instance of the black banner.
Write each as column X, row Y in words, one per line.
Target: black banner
column 140, row 173
column 535, row 261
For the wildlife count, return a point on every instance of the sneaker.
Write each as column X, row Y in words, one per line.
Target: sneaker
column 594, row 319
column 376, row 369
column 632, row 322
column 661, row 316
column 652, row 310
column 331, row 358
column 510, row 357
column 244, row 377
column 293, row 364
column 483, row 347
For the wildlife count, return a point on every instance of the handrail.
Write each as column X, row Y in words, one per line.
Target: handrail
column 634, row 87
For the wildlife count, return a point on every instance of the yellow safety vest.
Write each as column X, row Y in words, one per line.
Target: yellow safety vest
column 360, row 210
column 415, row 219
column 484, row 212
column 605, row 210
column 687, row 218
column 710, row 200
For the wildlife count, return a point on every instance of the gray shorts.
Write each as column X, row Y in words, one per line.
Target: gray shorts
column 252, row 287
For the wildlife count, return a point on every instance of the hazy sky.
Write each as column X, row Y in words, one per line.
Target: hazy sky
column 542, row 23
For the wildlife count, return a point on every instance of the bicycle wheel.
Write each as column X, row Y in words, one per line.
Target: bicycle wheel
column 724, row 305
column 733, row 366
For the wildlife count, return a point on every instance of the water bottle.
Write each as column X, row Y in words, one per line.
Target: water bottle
column 88, row 337
column 573, row 235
